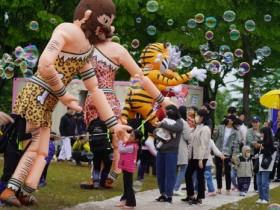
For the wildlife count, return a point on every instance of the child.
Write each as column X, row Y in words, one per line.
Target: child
column 191, row 115
column 127, row 162
column 162, row 134
column 48, row 159
column 244, row 170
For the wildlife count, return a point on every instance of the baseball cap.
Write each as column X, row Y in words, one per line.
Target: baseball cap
column 256, row 119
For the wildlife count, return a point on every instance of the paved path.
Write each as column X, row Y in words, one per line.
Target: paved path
column 145, row 201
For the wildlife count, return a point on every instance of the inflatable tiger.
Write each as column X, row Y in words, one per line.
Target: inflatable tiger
column 158, row 62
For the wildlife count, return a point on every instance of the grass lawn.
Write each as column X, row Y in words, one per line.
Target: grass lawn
column 63, row 187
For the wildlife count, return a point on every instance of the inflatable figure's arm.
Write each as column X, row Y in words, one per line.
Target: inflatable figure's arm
column 48, row 71
column 100, row 101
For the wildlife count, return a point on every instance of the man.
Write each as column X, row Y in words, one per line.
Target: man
column 67, row 127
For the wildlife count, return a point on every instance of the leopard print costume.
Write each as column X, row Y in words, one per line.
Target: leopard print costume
column 36, row 101
column 105, row 71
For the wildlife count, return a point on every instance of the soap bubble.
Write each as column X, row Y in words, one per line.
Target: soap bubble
column 234, row 34
column 111, row 156
column 210, row 22
column 238, row 53
column 138, row 20
column 229, row 16
column 232, row 27
column 259, row 53
column 244, row 67
column 228, row 57
column 209, row 35
column 125, row 46
column 34, row 25
column 266, row 51
column 203, row 48
column 186, row 61
column 135, row 43
column 223, row 49
column 151, row 30
column 250, row 25
column 215, row 55
column 257, row 91
column 213, row 104
column 267, row 18
column 214, row 66
column 273, row 206
column 199, row 18
column 52, row 20
column 152, row 6
column 115, row 39
column 170, row 22
column 137, row 186
column 191, row 23
column 208, row 55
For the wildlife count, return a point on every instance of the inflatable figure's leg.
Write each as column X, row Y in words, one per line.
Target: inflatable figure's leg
column 115, row 170
column 29, row 169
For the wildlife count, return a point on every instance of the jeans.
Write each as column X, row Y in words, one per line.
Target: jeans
column 263, row 184
column 180, row 176
column 166, row 172
column 209, row 178
column 233, row 174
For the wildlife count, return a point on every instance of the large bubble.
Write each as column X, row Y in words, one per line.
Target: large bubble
column 208, row 55
column 137, row 186
column 191, row 23
column 27, row 73
column 259, row 53
column 267, row 18
column 7, row 58
column 244, row 67
column 209, row 35
column 34, row 26
column 186, row 61
column 152, row 6
column 199, row 18
column 213, row 104
column 214, row 67
column 266, row 51
column 250, row 25
column 238, row 53
column 234, row 34
column 135, row 43
column 228, row 57
column 210, row 22
column 203, row 48
column 151, row 30
column 229, row 16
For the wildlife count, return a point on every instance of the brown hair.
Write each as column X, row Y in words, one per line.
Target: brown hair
column 98, row 8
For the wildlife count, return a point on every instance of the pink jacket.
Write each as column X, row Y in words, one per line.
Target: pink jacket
column 128, row 156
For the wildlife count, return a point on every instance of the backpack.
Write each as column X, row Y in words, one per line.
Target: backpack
column 98, row 142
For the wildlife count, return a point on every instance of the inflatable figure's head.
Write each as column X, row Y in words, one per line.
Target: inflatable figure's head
column 98, row 27
column 160, row 56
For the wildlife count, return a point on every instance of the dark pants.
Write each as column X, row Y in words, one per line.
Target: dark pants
column 243, row 183
column 226, row 163
column 192, row 167
column 146, row 158
column 128, row 193
column 276, row 169
column 99, row 157
column 255, row 177
column 79, row 157
column 11, row 159
column 45, row 172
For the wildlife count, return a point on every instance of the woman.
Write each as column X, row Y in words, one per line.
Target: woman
column 167, row 155
column 183, row 151
column 198, row 154
column 224, row 139
column 267, row 150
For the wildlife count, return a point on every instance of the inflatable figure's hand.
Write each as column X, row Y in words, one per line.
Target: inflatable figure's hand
column 70, row 101
column 199, row 74
column 5, row 119
column 176, row 89
column 120, row 130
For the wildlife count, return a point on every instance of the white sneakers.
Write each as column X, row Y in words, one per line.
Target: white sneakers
column 242, row 193
column 262, row 201
column 178, row 193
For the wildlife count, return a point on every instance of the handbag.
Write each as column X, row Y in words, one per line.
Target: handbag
column 256, row 167
column 266, row 161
